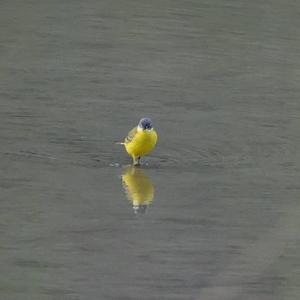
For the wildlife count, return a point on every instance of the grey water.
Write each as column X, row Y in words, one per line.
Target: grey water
column 214, row 211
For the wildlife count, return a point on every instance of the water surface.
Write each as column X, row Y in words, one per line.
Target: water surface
column 220, row 80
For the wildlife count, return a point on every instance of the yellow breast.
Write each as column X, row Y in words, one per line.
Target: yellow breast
column 142, row 143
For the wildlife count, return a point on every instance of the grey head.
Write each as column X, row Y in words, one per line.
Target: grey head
column 145, row 124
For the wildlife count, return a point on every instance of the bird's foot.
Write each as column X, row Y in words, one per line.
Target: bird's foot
column 137, row 161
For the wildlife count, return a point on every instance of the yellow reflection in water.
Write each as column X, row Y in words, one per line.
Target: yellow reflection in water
column 138, row 188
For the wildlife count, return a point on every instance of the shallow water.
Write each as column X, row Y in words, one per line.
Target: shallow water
column 221, row 218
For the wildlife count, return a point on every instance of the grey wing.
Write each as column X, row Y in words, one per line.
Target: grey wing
column 131, row 135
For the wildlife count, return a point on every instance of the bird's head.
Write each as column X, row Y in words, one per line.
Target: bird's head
column 145, row 124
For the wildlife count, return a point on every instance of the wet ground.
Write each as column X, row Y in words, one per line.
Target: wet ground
column 213, row 213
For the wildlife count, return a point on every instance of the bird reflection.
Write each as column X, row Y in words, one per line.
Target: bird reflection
column 138, row 188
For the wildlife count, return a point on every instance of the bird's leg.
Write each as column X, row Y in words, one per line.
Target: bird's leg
column 136, row 160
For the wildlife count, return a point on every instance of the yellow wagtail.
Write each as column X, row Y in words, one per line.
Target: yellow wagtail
column 140, row 140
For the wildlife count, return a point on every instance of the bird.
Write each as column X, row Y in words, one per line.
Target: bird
column 140, row 140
